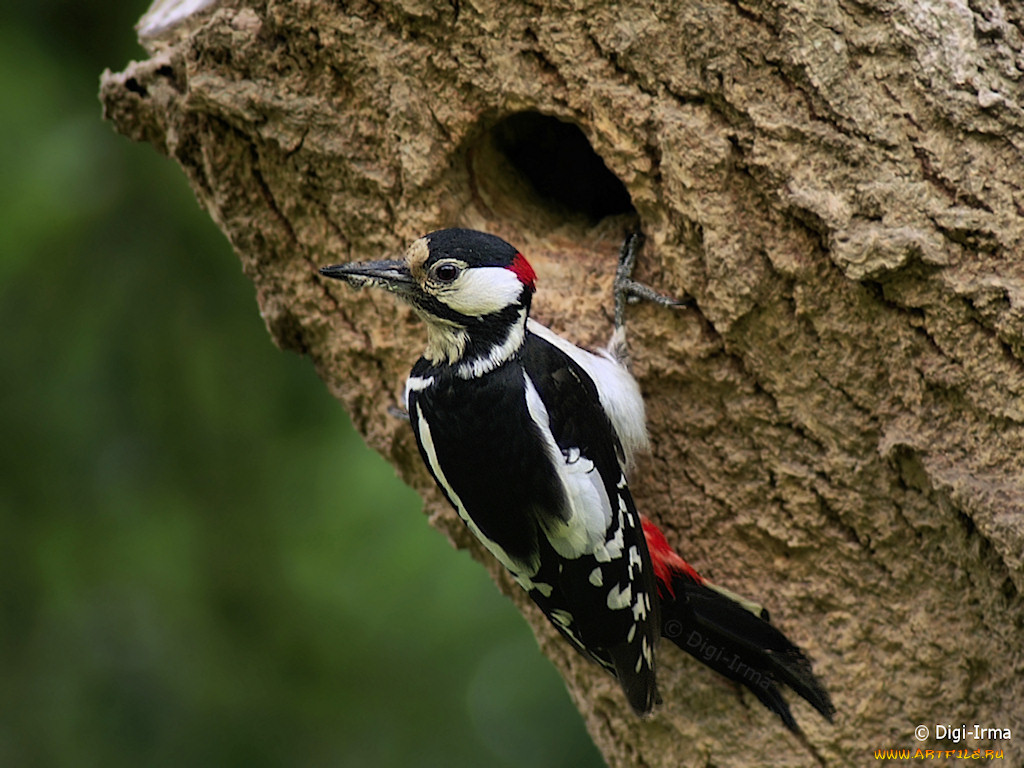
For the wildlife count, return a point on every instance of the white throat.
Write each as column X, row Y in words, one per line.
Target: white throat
column 446, row 342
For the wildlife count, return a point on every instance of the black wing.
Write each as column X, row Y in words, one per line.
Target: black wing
column 605, row 602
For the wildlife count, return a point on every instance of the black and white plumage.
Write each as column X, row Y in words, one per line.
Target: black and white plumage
column 530, row 438
column 529, row 459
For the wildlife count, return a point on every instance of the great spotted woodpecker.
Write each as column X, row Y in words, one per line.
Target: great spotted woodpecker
column 530, row 438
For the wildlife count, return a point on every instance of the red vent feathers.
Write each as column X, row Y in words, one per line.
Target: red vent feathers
column 665, row 560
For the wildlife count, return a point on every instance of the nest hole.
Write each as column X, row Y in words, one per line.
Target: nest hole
column 545, row 170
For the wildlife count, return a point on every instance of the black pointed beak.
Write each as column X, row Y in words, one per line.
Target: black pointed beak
column 390, row 274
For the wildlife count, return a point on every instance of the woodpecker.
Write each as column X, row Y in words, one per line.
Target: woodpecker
column 531, row 438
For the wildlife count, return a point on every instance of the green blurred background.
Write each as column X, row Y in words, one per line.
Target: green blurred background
column 201, row 564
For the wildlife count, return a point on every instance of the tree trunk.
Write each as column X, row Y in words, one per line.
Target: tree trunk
column 838, row 424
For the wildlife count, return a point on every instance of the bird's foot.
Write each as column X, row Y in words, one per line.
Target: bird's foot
column 629, row 291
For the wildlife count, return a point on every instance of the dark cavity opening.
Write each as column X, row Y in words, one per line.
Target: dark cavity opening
column 556, row 163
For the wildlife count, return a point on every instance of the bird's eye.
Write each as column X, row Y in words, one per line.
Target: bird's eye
column 446, row 272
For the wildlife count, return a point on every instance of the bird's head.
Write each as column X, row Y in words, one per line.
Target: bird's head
column 472, row 289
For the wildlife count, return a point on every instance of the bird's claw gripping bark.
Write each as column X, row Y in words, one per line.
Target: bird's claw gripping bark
column 396, row 412
column 629, row 291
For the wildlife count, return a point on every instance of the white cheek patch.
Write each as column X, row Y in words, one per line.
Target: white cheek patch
column 482, row 291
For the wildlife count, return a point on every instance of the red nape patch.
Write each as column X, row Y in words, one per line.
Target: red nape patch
column 664, row 559
column 522, row 269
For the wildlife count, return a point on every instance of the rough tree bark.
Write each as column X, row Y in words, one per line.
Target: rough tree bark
column 838, row 425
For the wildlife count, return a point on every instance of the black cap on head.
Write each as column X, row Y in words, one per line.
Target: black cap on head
column 478, row 249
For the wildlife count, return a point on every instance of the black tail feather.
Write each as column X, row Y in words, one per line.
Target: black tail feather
column 740, row 644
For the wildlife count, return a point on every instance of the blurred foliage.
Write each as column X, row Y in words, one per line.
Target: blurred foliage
column 200, row 563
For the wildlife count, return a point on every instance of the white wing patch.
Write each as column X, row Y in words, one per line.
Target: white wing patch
column 589, row 510
column 562, row 617
column 618, row 390
column 640, row 610
column 619, row 598
column 634, row 560
column 611, row 549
